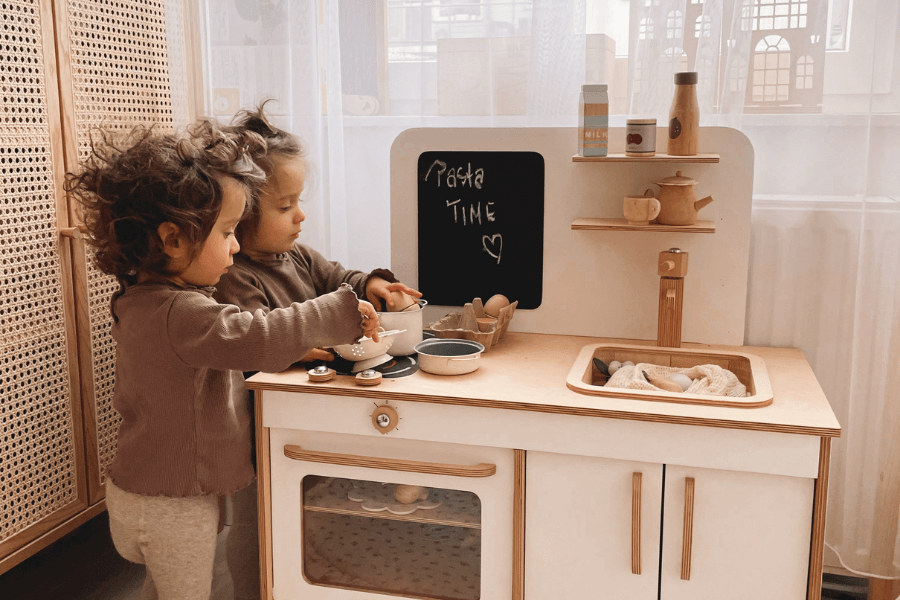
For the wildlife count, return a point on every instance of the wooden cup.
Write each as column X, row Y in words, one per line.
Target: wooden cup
column 640, row 210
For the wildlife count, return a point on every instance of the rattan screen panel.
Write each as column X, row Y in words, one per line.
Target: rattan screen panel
column 38, row 469
column 119, row 67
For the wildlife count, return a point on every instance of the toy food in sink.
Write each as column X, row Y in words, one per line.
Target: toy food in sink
column 716, row 378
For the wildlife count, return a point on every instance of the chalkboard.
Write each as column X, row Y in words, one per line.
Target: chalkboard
column 481, row 226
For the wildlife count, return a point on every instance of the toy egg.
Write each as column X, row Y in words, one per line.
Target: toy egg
column 681, row 379
column 402, row 301
column 407, row 494
column 494, row 304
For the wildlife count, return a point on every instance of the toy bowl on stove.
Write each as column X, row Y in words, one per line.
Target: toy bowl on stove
column 367, row 353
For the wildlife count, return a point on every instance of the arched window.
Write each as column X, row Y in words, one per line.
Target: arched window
column 675, row 25
column 746, row 15
column 779, row 14
column 640, row 76
column 771, row 70
column 645, row 29
column 703, row 26
column 705, row 72
column 673, row 60
column 737, row 71
column 804, row 73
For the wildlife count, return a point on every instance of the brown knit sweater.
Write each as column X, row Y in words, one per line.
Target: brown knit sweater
column 280, row 279
column 185, row 427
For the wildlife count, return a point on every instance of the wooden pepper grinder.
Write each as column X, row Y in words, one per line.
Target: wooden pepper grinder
column 672, row 268
column 684, row 116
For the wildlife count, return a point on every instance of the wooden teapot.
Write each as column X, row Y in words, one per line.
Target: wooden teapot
column 678, row 203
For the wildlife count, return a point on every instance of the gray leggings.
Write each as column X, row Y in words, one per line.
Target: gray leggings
column 174, row 537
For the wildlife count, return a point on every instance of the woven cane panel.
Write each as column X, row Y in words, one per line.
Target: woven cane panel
column 119, row 78
column 37, row 441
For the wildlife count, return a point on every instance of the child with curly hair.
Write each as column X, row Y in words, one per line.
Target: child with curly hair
column 161, row 212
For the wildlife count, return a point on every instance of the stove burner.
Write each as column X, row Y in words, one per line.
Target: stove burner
column 397, row 366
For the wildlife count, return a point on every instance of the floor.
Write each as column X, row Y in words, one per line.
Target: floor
column 84, row 565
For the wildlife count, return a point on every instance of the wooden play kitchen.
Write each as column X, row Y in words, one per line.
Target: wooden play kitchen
column 526, row 478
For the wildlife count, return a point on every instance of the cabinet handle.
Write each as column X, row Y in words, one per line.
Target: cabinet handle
column 76, row 232
column 389, row 464
column 688, row 528
column 636, row 523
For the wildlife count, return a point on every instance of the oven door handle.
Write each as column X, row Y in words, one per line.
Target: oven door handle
column 389, row 464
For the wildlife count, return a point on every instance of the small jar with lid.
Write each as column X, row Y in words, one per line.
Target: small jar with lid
column 640, row 137
column 593, row 121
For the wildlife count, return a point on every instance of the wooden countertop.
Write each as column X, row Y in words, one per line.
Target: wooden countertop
column 528, row 372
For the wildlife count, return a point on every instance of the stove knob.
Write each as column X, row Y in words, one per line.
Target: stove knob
column 385, row 418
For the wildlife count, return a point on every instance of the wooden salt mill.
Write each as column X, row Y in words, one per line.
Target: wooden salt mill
column 672, row 268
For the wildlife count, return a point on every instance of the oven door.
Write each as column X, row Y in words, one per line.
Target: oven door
column 354, row 516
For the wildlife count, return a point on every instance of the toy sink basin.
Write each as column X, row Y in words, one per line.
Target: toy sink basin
column 749, row 369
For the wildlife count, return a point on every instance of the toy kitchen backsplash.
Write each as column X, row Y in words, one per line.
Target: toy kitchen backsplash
column 478, row 212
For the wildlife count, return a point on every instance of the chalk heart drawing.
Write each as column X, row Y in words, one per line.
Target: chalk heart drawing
column 493, row 245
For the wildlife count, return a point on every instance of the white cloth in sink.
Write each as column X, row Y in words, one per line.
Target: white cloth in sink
column 711, row 380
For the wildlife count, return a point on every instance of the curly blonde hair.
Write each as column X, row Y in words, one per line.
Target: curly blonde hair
column 135, row 181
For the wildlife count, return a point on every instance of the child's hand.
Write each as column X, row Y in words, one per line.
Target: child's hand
column 370, row 320
column 378, row 289
column 318, row 354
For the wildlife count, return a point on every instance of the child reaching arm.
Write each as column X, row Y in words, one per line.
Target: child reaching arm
column 161, row 212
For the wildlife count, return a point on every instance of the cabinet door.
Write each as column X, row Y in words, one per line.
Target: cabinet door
column 42, row 479
column 749, row 535
column 580, row 517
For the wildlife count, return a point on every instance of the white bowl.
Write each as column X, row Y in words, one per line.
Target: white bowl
column 368, row 353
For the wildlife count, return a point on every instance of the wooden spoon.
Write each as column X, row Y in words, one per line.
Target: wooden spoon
column 663, row 383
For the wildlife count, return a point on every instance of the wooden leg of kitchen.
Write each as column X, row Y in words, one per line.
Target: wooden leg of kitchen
column 264, row 496
column 883, row 589
column 518, row 586
column 817, row 545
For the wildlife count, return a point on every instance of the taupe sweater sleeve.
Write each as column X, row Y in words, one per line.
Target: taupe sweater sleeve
column 203, row 333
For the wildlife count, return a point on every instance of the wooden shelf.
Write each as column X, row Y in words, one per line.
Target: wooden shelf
column 660, row 158
column 456, row 509
column 622, row 225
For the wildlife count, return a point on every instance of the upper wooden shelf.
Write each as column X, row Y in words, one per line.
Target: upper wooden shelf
column 585, row 223
column 660, row 158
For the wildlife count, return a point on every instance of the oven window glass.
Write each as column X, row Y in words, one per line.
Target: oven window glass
column 420, row 542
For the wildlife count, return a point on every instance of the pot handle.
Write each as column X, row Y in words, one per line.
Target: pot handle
column 390, row 464
column 469, row 358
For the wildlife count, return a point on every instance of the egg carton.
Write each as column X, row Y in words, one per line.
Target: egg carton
column 464, row 325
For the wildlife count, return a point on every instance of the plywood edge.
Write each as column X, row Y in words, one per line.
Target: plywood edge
column 817, row 537
column 376, row 394
column 264, row 501
column 602, row 224
column 707, row 157
column 518, row 583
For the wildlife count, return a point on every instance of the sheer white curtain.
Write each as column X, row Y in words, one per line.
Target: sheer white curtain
column 814, row 84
